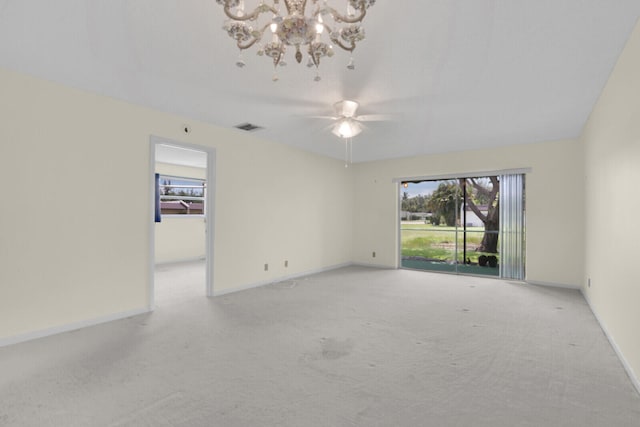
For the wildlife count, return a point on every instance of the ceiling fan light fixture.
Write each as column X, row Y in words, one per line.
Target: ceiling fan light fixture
column 347, row 128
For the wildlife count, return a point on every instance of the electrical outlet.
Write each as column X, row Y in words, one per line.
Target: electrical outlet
column 373, row 254
column 589, row 282
column 266, row 267
column 286, row 263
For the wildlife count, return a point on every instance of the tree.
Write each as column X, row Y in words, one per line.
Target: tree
column 444, row 201
column 413, row 204
column 167, row 189
column 485, row 192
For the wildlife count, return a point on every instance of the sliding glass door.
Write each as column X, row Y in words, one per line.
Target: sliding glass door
column 458, row 225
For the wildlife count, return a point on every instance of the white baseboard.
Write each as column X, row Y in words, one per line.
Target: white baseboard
column 632, row 375
column 553, row 285
column 69, row 327
column 279, row 279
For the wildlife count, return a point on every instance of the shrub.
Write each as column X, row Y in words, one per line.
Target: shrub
column 493, row 261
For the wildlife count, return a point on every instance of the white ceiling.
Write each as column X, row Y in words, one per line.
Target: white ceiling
column 454, row 74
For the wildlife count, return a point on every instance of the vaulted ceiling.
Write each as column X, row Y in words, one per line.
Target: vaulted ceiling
column 451, row 74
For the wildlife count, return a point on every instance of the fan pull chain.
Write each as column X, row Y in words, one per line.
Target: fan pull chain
column 348, row 152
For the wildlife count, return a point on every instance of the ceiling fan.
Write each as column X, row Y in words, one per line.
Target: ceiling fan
column 348, row 124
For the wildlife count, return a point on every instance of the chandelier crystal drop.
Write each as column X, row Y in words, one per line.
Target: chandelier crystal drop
column 307, row 27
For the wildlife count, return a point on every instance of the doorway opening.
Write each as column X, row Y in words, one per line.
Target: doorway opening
column 464, row 225
column 181, row 231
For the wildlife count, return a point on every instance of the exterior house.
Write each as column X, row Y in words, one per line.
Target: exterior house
column 180, row 207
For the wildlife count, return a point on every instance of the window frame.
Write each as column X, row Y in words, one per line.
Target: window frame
column 164, row 198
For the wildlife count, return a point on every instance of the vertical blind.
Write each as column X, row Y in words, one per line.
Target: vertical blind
column 512, row 254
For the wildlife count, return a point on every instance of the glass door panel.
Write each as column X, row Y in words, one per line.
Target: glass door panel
column 477, row 261
column 451, row 225
column 428, row 247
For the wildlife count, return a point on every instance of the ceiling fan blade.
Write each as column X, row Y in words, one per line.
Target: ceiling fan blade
column 284, row 101
column 322, row 117
column 374, row 118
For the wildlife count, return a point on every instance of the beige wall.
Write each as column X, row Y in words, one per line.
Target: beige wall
column 612, row 143
column 180, row 237
column 554, row 193
column 72, row 259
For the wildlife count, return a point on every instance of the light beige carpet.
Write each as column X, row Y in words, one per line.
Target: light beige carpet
column 351, row 347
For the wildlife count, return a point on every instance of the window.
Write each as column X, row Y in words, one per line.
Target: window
column 181, row 195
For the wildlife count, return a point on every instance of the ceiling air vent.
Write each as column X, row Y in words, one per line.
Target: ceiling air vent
column 248, row 127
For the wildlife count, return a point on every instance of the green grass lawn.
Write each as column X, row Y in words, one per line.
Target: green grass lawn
column 439, row 242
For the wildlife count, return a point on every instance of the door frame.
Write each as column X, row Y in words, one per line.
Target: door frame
column 154, row 141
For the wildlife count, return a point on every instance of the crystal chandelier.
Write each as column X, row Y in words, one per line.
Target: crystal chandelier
column 299, row 28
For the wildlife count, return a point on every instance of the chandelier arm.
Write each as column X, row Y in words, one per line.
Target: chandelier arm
column 263, row 8
column 348, row 49
column 254, row 39
column 341, row 18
